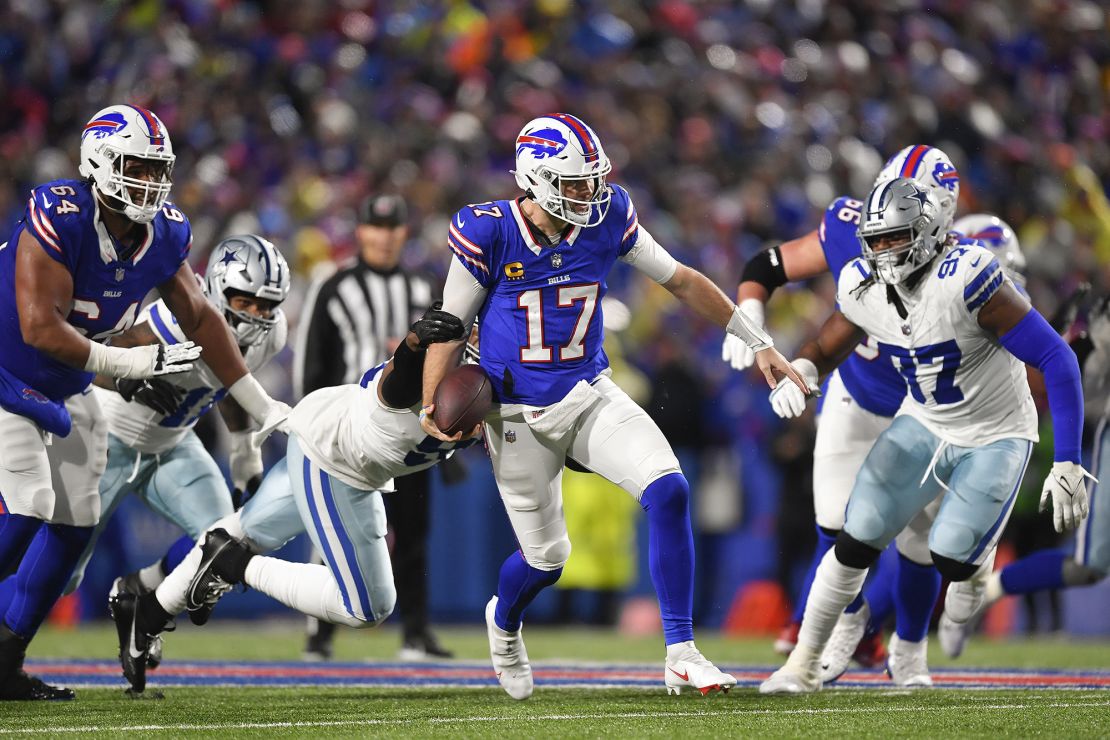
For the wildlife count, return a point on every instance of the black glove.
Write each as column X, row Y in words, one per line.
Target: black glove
column 162, row 396
column 240, row 498
column 437, row 326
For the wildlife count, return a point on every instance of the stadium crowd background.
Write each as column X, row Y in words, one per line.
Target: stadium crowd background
column 731, row 123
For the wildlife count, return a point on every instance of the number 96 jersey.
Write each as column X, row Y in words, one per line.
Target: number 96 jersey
column 541, row 329
column 962, row 385
column 351, row 434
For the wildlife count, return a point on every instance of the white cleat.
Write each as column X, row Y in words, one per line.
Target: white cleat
column 510, row 659
column 695, row 670
column 789, row 680
column 843, row 642
column 963, row 608
column 907, row 665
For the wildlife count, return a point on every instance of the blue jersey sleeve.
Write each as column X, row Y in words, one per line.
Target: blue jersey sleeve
column 472, row 237
column 173, row 240
column 622, row 204
column 837, row 234
column 57, row 213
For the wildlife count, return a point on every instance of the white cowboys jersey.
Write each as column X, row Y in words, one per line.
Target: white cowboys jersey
column 962, row 385
column 351, row 434
column 144, row 429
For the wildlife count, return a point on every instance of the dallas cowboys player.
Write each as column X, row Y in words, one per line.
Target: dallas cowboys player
column 860, row 397
column 1052, row 568
column 533, row 270
column 73, row 274
column 152, row 450
column 346, row 444
column 940, row 311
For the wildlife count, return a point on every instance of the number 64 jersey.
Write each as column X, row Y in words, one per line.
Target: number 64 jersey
column 962, row 385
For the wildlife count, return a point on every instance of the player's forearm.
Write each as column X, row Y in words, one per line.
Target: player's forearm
column 236, row 419
column 54, row 336
column 220, row 352
column 439, row 358
column 837, row 339
column 700, row 294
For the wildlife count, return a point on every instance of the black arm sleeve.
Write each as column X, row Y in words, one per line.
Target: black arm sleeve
column 766, row 269
column 404, row 385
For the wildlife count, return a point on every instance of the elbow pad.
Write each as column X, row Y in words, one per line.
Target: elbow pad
column 765, row 268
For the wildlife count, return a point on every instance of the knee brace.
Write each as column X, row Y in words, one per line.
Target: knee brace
column 853, row 553
column 954, row 570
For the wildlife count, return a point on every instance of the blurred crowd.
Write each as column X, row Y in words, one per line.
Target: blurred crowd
column 732, row 124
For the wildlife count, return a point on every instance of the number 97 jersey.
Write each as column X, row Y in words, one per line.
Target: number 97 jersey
column 540, row 325
column 961, row 384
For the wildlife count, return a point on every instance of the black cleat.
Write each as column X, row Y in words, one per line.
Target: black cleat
column 21, row 687
column 318, row 647
column 130, row 583
column 223, row 560
column 134, row 644
column 423, row 647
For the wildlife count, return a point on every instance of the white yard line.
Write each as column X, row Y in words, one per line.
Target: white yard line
column 538, row 718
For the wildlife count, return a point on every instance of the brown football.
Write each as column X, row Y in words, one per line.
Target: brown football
column 462, row 399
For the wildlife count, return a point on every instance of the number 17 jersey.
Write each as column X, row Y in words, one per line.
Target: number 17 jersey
column 540, row 325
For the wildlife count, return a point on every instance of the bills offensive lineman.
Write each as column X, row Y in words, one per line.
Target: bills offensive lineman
column 346, row 444
column 152, row 449
column 860, row 397
column 533, row 270
column 74, row 273
column 968, row 422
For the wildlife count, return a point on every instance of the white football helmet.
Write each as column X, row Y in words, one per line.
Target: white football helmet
column 556, row 155
column 901, row 208
column 997, row 236
column 247, row 265
column 114, row 136
column 931, row 168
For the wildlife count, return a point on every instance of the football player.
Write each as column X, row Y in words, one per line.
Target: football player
column 945, row 314
column 533, row 270
column 152, row 450
column 1053, row 568
column 72, row 275
column 860, row 398
column 346, row 444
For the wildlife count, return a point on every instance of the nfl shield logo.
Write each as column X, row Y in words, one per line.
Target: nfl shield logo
column 119, row 274
column 556, row 260
column 510, row 436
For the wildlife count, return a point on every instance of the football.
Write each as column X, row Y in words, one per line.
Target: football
column 462, row 399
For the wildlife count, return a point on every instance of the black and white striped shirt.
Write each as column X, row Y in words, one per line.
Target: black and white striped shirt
column 351, row 321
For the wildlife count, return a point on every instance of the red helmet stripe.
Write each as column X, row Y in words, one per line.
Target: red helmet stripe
column 583, row 134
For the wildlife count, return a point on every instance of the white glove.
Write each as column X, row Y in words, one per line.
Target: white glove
column 146, row 361
column 244, row 459
column 787, row 399
column 1068, row 493
column 735, row 350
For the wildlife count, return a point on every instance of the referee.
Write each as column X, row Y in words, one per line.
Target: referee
column 357, row 317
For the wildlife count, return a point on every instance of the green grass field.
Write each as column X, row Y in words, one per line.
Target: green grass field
column 553, row 712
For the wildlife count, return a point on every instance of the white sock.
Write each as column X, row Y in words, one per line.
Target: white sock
column 171, row 591
column 151, row 575
column 834, row 587
column 994, row 587
column 680, row 651
column 308, row 588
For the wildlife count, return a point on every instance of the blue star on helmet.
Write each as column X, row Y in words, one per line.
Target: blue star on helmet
column 230, row 256
column 921, row 197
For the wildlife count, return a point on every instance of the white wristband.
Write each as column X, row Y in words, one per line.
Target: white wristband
column 121, row 362
column 807, row 370
column 742, row 325
column 250, row 394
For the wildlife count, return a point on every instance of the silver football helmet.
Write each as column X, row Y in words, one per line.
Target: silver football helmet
column 556, row 152
column 247, row 265
column 114, row 136
column 905, row 211
column 997, row 236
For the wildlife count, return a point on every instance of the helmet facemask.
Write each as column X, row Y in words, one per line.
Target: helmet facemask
column 251, row 267
column 893, row 265
column 138, row 198
column 250, row 329
column 581, row 211
column 900, row 211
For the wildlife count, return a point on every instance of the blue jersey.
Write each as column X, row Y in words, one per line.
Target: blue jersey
column 541, row 329
column 868, row 376
column 63, row 217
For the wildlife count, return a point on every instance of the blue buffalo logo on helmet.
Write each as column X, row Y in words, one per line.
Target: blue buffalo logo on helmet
column 105, row 124
column 546, row 142
column 945, row 175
